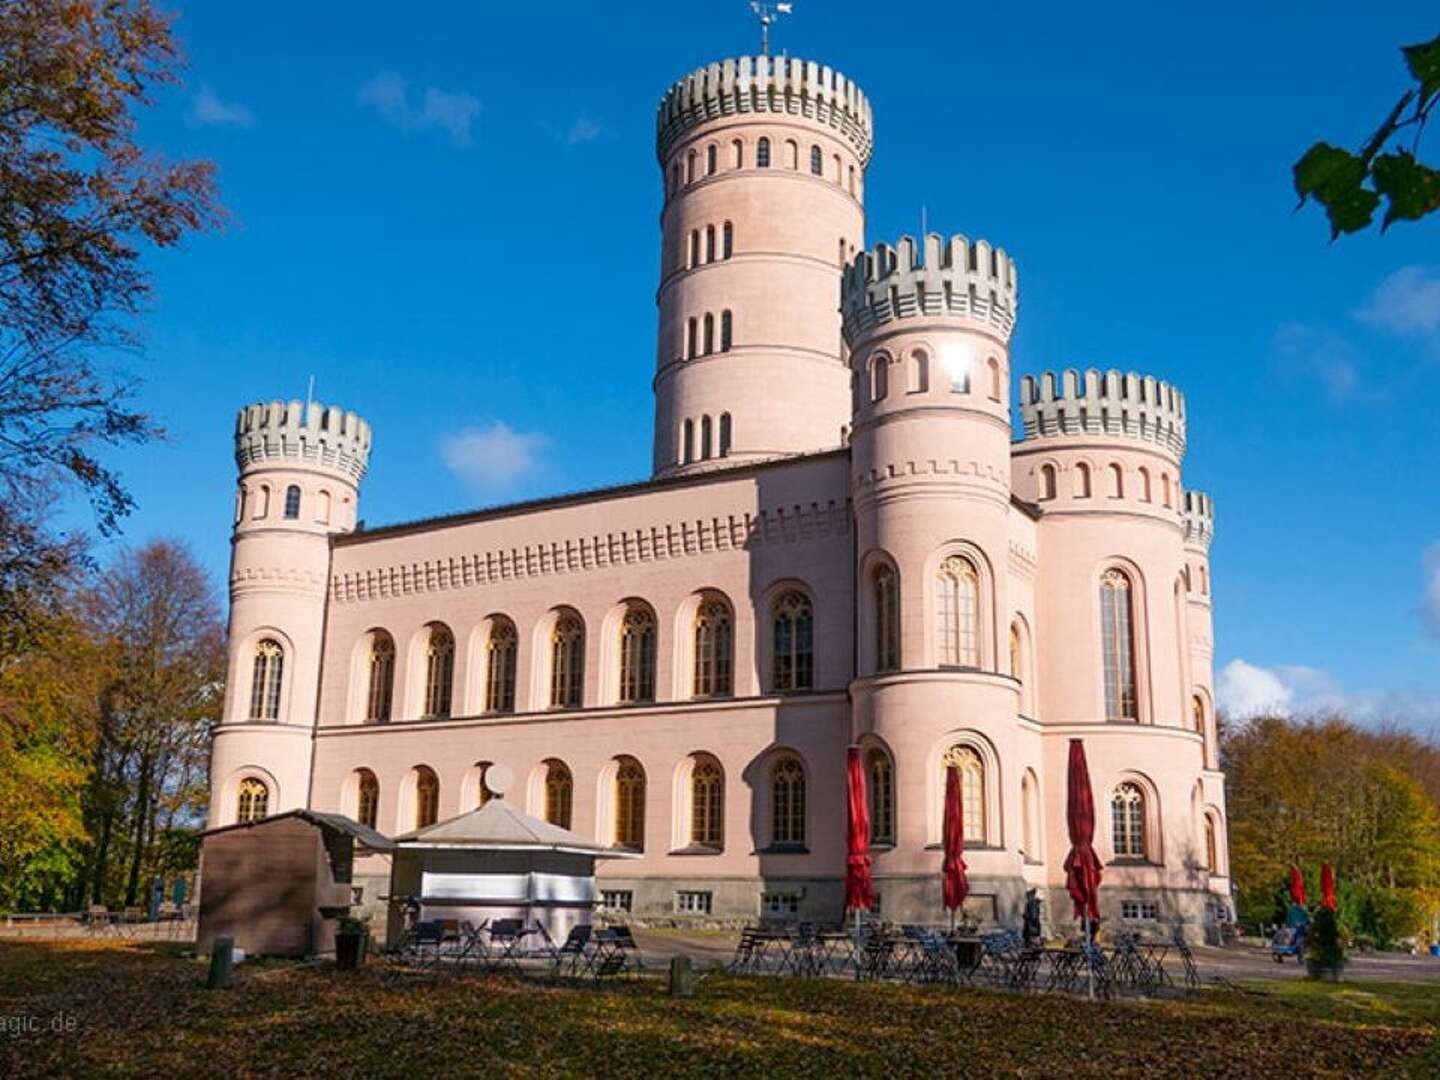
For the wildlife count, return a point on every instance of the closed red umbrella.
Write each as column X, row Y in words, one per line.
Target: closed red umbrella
column 859, row 893
column 1297, row 886
column 952, row 869
column 1082, row 865
column 1327, row 886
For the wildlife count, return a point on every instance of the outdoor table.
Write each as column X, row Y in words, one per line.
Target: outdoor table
column 510, row 940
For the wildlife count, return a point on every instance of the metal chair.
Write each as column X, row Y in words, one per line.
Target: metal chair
column 572, row 951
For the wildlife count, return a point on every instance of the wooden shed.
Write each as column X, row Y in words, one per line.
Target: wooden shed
column 277, row 884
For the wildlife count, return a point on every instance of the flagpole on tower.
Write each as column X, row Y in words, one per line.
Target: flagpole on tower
column 768, row 14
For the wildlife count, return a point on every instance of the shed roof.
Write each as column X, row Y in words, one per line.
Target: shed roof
column 499, row 826
column 333, row 822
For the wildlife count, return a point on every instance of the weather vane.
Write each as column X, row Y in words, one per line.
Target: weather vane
column 768, row 14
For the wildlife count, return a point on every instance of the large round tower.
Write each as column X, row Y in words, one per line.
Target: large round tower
column 763, row 161
column 300, row 468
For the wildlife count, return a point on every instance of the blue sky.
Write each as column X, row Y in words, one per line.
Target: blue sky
column 447, row 214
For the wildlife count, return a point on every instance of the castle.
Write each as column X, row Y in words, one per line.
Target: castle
column 845, row 540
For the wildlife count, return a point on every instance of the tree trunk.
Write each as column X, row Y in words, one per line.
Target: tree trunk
column 102, row 858
column 142, row 811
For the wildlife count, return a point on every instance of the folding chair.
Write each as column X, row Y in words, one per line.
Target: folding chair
column 572, row 951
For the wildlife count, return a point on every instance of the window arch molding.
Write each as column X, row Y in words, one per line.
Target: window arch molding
column 419, row 670
column 1154, row 847
column 1032, row 818
column 552, row 790
column 1212, row 819
column 354, row 796
column 627, row 617
column 1200, row 696
column 622, row 794
column 686, row 641
column 699, row 829
column 242, row 673
column 883, row 833
column 765, row 639
column 878, row 370
column 975, row 741
column 778, row 778
column 415, row 798
column 1049, row 474
column 985, row 617
column 473, row 690
column 358, row 708
column 542, row 669
column 230, row 801
column 1139, row 621
column 1026, row 675
column 873, row 620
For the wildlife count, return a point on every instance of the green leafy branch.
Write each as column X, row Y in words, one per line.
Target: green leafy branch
column 1350, row 186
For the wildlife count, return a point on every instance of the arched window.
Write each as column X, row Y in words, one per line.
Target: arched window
column 630, row 805
column 690, row 168
column 709, row 333
column 712, row 159
column 725, row 434
column 1118, row 646
column 1082, row 481
column 1165, row 488
column 252, row 800
column 265, row 681
column 1029, row 817
column 637, row 655
column 694, row 248
column 725, row 331
column 1117, row 481
column 689, row 441
column 262, row 501
column 817, row 162
column 762, row 154
column 787, row 802
column 292, row 502
column 852, row 179
column 1047, row 481
column 1016, row 657
column 707, row 803
column 738, row 151
column 994, row 366
column 793, row 654
column 559, row 789
column 879, row 377
column 381, row 692
column 1212, row 862
column 727, row 240
column 919, row 372
column 439, row 672
column 706, row 440
column 1127, row 821
column 958, row 613
column 1145, row 495
column 367, row 804
column 1197, row 715
column 880, row 789
column 501, row 650
column 322, row 507
column 567, row 661
column 427, row 797
column 886, row 591
column 972, row 789
column 709, row 243
column 692, row 337
column 714, row 641
column 792, row 154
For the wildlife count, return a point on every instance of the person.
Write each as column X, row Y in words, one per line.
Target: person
column 1031, row 923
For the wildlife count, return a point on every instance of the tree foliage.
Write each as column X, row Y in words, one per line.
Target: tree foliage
column 1350, row 186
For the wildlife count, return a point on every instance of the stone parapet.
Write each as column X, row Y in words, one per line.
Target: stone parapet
column 1199, row 519
column 1111, row 402
column 310, row 435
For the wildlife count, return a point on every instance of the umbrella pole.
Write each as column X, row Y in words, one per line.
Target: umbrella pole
column 1089, row 960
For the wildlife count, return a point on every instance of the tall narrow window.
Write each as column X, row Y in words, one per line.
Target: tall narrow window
column 880, row 377
column 630, row 805
column 787, row 802
column 709, row 243
column 706, row 438
column 1145, row 495
column 1127, row 821
column 714, row 638
column 690, row 167
column 1118, row 646
column 567, row 662
column 711, row 159
column 792, row 154
column 709, row 333
column 1117, row 481
column 1212, row 862
column 692, row 337
column 880, row 774
column 252, row 800
column 262, row 501
column 919, row 372
column 1165, row 487
column 1082, row 481
column 793, row 655
column 427, row 797
column 500, row 654
column 292, row 502
column 817, row 162
column 1015, row 656
column 727, row 240
column 725, row 331
column 762, row 154
column 381, row 693
column 887, row 618
column 689, row 442
column 439, row 672
column 637, row 655
column 994, row 367
column 707, row 803
column 1047, row 481
column 322, row 507
column 265, row 682
column 694, row 248
column 1029, row 817
column 725, row 434
column 972, row 789
column 738, row 154
column 367, row 802
column 559, row 790
column 1197, row 715
column 957, row 610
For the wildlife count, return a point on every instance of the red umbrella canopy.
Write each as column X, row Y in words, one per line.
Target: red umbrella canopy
column 1297, row 886
column 952, row 869
column 1327, row 886
column 859, row 893
column 1082, row 865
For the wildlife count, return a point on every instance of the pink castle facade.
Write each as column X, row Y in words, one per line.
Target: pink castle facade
column 852, row 535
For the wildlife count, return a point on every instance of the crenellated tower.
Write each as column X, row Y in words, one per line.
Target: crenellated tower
column 300, row 467
column 763, row 162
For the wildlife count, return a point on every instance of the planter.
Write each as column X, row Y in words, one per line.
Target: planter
column 350, row 950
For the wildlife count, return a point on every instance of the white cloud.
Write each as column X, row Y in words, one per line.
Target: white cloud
column 583, row 130
column 1430, row 560
column 1406, row 302
column 207, row 110
column 453, row 112
column 492, row 457
column 1245, row 690
column 1321, row 354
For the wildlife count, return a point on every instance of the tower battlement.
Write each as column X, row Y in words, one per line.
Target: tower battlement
column 316, row 436
column 761, row 84
column 1199, row 518
column 1103, row 403
column 945, row 277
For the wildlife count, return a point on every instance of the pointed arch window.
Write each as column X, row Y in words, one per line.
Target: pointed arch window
column 367, row 803
column 427, row 797
column 880, row 789
column 637, row 655
column 958, row 613
column 630, row 805
column 292, row 502
column 714, row 643
column 439, row 672
column 793, row 655
column 559, row 792
column 707, row 804
column 1127, row 821
column 501, row 650
column 567, row 662
column 886, row 591
column 252, row 800
column 762, row 154
column 1118, row 646
column 266, row 679
column 380, row 696
column 787, row 802
column 972, row 789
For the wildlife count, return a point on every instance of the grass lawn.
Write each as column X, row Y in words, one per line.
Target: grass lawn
column 142, row 1009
